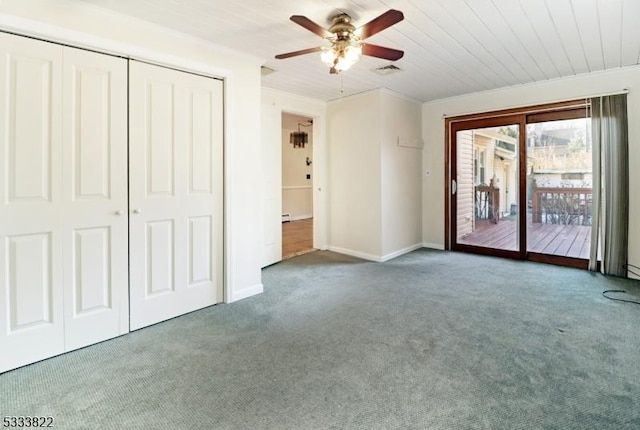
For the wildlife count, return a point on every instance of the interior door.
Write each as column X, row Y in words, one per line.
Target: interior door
column 31, row 295
column 95, row 228
column 272, row 184
column 175, row 192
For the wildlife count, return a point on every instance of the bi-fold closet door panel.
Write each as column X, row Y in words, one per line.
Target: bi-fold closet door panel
column 95, row 228
column 31, row 272
column 63, row 149
column 176, row 171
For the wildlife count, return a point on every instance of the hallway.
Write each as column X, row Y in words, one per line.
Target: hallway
column 297, row 237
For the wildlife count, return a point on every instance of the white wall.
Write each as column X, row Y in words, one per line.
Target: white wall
column 401, row 175
column 375, row 200
column 544, row 92
column 83, row 25
column 354, row 134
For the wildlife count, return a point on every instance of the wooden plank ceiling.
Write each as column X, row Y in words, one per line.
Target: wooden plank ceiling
column 452, row 47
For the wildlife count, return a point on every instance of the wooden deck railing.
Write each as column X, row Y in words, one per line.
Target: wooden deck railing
column 487, row 202
column 562, row 205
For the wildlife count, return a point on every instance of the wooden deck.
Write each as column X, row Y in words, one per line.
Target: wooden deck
column 551, row 239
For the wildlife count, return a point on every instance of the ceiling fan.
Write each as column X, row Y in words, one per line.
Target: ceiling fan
column 347, row 41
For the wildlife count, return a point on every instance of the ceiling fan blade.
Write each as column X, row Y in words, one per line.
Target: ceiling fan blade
column 381, row 52
column 378, row 24
column 296, row 53
column 310, row 25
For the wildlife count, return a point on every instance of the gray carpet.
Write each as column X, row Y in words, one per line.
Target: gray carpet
column 430, row 340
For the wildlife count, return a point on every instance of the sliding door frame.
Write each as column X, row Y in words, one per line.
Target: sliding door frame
column 473, row 124
column 570, row 109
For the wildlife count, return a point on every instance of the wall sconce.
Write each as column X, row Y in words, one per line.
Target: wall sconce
column 300, row 138
column 308, row 161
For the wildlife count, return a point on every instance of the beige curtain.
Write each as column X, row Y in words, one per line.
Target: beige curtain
column 610, row 213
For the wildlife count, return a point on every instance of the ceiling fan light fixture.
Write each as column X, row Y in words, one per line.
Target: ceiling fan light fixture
column 350, row 56
column 347, row 41
column 328, row 56
column 341, row 56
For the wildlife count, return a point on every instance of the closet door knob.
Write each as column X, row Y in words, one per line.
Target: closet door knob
column 119, row 213
column 137, row 211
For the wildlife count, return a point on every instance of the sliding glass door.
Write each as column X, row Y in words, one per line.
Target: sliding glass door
column 559, row 188
column 521, row 185
column 485, row 185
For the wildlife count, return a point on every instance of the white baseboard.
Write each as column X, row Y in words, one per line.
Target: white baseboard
column 433, row 245
column 299, row 217
column 400, row 252
column 234, row 296
column 288, row 217
column 353, row 253
column 376, row 258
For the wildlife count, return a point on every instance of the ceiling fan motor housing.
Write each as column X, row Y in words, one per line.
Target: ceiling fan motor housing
column 342, row 27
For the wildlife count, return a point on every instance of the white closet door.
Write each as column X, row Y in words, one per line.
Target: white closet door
column 95, row 197
column 31, row 295
column 175, row 174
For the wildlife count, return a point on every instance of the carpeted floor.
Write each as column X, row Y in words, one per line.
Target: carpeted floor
column 430, row 340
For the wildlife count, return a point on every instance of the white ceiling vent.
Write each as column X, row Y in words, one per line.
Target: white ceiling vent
column 387, row 70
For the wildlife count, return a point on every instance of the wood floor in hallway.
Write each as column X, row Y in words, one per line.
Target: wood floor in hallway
column 297, row 237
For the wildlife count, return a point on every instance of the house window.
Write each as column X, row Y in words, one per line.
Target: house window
column 479, row 165
column 572, row 176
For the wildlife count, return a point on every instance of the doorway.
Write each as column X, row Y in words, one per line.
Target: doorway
column 297, row 185
column 521, row 184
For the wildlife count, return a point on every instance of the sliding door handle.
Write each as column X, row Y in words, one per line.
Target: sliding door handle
column 454, row 186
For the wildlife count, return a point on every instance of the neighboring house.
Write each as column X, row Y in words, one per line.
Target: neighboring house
column 561, row 154
column 485, row 157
